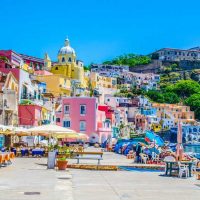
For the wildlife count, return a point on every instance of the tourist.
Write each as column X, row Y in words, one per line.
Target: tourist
column 138, row 151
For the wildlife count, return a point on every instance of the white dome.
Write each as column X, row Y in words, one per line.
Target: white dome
column 66, row 49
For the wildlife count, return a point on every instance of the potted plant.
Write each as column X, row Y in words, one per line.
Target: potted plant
column 62, row 163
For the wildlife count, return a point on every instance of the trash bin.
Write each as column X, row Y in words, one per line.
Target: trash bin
column 51, row 160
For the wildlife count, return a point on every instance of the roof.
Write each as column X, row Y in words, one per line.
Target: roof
column 26, row 57
column 175, row 49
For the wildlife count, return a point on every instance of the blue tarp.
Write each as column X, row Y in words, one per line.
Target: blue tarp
column 153, row 137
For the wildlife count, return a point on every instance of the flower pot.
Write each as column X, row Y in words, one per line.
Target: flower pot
column 62, row 164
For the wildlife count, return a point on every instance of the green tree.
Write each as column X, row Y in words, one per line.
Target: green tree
column 155, row 96
column 130, row 60
column 171, row 98
column 184, row 88
column 194, row 103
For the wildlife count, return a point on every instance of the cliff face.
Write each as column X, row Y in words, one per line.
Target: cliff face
column 153, row 67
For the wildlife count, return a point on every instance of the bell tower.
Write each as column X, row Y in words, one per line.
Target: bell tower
column 47, row 62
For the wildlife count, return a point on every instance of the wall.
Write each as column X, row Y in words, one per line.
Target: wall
column 74, row 115
column 29, row 115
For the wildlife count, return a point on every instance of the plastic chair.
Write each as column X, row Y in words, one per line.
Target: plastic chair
column 144, row 158
column 155, row 157
column 183, row 169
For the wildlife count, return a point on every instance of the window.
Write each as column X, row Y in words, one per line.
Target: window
column 56, row 68
column 66, row 124
column 70, row 59
column 66, row 109
column 82, row 109
column 57, row 119
column 63, row 59
column 82, row 125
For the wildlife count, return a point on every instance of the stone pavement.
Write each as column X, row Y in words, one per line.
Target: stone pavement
column 126, row 185
column 110, row 158
column 30, row 175
column 27, row 175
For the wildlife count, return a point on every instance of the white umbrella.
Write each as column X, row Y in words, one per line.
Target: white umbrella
column 4, row 128
column 51, row 130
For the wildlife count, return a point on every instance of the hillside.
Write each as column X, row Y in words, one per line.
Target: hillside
column 130, row 60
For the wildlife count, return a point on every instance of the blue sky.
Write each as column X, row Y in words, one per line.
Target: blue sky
column 98, row 29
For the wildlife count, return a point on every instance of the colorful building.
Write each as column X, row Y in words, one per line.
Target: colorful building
column 100, row 81
column 79, row 114
column 33, row 115
column 147, row 81
column 109, row 70
column 8, row 99
column 67, row 64
column 170, row 114
column 56, row 84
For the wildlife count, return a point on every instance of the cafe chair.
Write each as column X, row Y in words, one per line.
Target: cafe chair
column 183, row 169
column 155, row 157
column 144, row 158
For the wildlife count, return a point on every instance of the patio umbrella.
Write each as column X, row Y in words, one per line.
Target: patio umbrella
column 6, row 130
column 179, row 146
column 65, row 135
column 51, row 130
column 82, row 136
column 20, row 131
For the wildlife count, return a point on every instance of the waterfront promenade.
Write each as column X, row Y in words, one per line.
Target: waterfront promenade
column 29, row 179
column 28, row 175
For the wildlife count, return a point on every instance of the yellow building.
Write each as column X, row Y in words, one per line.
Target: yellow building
column 99, row 81
column 56, row 84
column 174, row 112
column 67, row 64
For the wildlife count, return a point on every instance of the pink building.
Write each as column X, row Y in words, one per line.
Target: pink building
column 82, row 115
column 79, row 114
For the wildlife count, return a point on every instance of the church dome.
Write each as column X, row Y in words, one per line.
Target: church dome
column 66, row 49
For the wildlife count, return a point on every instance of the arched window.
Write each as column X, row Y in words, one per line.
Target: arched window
column 70, row 59
column 63, row 59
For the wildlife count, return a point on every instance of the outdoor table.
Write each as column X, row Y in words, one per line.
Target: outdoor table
column 173, row 165
column 38, row 152
column 24, row 152
column 3, row 150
